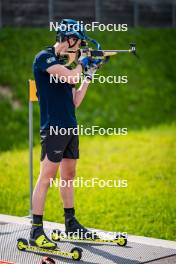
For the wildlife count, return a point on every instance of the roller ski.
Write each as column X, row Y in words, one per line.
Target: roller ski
column 74, row 231
column 75, row 253
column 39, row 242
column 57, row 235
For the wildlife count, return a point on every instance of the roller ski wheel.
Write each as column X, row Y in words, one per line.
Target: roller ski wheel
column 75, row 253
column 22, row 244
column 55, row 235
column 47, row 260
column 121, row 240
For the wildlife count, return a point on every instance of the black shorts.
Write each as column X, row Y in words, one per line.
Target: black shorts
column 57, row 147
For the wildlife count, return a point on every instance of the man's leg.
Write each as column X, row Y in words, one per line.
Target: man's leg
column 48, row 171
column 67, row 174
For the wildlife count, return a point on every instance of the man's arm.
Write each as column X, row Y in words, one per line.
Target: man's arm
column 78, row 95
column 71, row 76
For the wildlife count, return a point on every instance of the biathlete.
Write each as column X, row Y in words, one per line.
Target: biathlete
column 57, row 103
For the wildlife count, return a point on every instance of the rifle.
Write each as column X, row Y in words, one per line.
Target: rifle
column 72, row 56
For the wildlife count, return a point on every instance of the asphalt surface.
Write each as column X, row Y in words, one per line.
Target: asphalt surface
column 167, row 260
column 133, row 253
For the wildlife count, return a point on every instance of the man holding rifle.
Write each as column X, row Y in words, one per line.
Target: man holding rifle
column 57, row 108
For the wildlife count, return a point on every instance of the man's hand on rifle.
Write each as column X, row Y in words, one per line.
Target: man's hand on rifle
column 93, row 67
column 84, row 62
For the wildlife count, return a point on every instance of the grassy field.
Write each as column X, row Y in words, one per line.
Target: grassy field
column 147, row 100
column 146, row 159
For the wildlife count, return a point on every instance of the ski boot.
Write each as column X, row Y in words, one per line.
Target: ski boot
column 39, row 239
column 74, row 228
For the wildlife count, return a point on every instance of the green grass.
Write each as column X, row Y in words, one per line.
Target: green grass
column 147, row 100
column 146, row 159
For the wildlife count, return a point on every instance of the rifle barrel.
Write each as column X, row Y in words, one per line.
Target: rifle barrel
column 129, row 50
